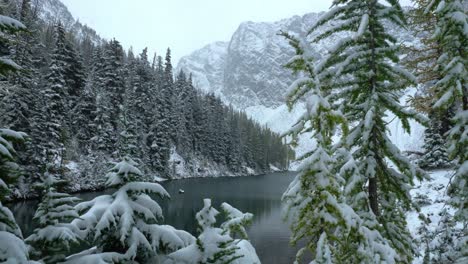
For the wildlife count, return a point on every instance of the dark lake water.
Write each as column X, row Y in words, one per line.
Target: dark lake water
column 259, row 195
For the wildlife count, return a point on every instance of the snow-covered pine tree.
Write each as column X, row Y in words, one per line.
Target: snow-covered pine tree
column 12, row 247
column 366, row 81
column 53, row 114
column 189, row 97
column 313, row 198
column 84, row 121
column 8, row 26
column 216, row 245
column 127, row 142
column 169, row 94
column 316, row 204
column 54, row 237
column 435, row 152
column 28, row 49
column 236, row 221
column 113, row 87
column 104, row 135
column 70, row 64
column 123, row 225
column 451, row 33
column 20, row 104
column 234, row 158
column 182, row 134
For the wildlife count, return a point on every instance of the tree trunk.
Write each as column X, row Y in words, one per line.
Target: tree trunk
column 373, row 196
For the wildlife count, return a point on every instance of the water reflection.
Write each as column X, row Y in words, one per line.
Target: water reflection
column 260, row 195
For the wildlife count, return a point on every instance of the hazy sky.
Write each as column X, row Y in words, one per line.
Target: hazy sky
column 183, row 25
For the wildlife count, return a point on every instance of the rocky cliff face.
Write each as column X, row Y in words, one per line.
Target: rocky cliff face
column 248, row 71
column 207, row 66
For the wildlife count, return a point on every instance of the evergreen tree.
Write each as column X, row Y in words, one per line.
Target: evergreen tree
column 234, row 158
column 28, row 50
column 55, row 236
column 127, row 142
column 123, row 225
column 104, row 133
column 113, row 81
column 213, row 245
column 170, row 95
column 84, row 122
column 435, row 155
column 8, row 26
column 365, row 81
column 52, row 115
column 11, row 239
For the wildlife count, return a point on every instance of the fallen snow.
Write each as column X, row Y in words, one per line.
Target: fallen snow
column 434, row 194
column 159, row 179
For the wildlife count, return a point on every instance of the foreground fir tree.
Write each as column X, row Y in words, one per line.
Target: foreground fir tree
column 365, row 84
column 317, row 205
column 216, row 245
column 451, row 33
column 123, row 226
column 55, row 236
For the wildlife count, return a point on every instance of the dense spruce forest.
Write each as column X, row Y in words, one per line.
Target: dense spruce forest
column 85, row 102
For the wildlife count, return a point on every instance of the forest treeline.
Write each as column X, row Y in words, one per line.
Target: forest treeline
column 90, row 102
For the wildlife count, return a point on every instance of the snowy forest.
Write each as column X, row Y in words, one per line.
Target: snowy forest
column 89, row 104
column 81, row 113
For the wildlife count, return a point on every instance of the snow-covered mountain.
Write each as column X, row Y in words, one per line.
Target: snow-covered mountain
column 248, row 72
column 51, row 11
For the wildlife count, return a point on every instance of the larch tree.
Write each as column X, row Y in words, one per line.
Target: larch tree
column 319, row 209
column 365, row 83
column 422, row 59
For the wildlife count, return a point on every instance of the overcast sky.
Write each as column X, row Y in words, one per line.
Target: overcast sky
column 183, row 25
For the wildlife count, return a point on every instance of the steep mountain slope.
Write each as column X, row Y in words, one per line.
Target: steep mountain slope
column 50, row 11
column 249, row 74
column 207, row 66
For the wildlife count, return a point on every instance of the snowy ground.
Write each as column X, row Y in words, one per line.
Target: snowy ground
column 199, row 167
column 433, row 195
